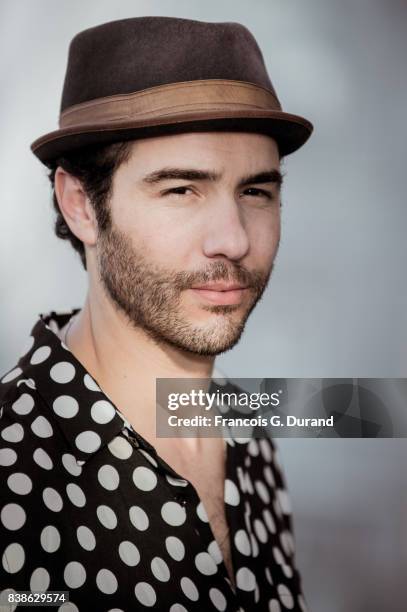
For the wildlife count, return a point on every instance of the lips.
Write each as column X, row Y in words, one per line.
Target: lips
column 221, row 293
column 220, row 287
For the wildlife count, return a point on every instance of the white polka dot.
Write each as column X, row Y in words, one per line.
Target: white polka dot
column 201, row 512
column 232, row 496
column 260, row 530
column 26, row 381
column 178, row 608
column 50, row 539
column 262, row 491
column 257, row 594
column 4, row 596
column 278, row 555
column 106, row 581
column 269, row 476
column 149, row 458
column 13, row 558
column 108, row 477
column 102, row 412
column 287, row 569
column 12, row 516
column 189, row 589
column 218, row 599
column 76, row 495
column 138, row 518
column 287, row 542
column 160, row 569
column 302, row 603
column 65, row 406
column 24, row 404
column 145, row 594
column 249, row 484
column 268, row 575
column 62, row 372
column 205, row 564
column 20, row 483
column 42, row 427
column 253, row 448
column 88, row 441
column 106, row 516
column 215, row 552
column 268, row 519
column 120, row 448
column 265, row 449
column 68, row 606
column 52, row 499
column 74, row 574
column 254, row 545
column 11, row 375
column 70, row 464
column 245, row 579
column 173, row 513
column 42, row 459
column 13, row 433
column 129, row 553
column 90, row 383
column 40, row 579
column 285, row 595
column 274, row 606
column 7, row 457
column 241, row 478
column 144, row 478
column 40, row 355
column 86, row 537
column 176, row 482
column 175, row 548
column 242, row 542
column 284, row 500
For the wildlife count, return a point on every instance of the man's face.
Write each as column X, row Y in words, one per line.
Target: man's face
column 195, row 230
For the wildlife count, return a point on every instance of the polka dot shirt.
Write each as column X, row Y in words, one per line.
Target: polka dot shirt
column 88, row 506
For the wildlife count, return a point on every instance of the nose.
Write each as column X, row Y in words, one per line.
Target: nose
column 225, row 232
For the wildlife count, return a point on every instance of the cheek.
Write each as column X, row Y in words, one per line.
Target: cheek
column 161, row 241
column 264, row 238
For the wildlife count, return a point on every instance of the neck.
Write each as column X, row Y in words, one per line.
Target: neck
column 125, row 361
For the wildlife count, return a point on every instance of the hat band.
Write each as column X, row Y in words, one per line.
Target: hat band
column 171, row 99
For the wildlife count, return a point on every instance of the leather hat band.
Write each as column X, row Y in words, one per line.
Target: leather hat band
column 169, row 100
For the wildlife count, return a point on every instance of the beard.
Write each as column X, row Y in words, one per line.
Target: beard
column 150, row 296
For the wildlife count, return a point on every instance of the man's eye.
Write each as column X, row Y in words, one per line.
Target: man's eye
column 258, row 192
column 177, row 190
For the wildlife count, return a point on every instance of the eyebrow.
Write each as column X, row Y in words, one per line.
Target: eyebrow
column 191, row 174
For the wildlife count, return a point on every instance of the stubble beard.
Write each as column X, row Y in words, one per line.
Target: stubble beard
column 150, row 296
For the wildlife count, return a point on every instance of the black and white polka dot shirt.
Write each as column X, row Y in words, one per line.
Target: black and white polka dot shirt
column 88, row 506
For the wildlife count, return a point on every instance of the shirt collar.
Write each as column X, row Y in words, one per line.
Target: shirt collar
column 87, row 417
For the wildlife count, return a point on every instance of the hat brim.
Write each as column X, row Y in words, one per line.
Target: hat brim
column 289, row 131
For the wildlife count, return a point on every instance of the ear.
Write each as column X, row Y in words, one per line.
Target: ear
column 75, row 207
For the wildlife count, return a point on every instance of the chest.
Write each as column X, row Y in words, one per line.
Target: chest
column 208, row 478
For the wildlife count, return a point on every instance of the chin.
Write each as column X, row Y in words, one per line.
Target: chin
column 210, row 339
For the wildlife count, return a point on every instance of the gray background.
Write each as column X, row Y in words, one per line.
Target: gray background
column 336, row 305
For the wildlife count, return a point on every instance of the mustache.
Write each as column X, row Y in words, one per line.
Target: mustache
column 220, row 271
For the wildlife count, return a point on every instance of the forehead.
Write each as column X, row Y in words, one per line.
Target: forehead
column 229, row 149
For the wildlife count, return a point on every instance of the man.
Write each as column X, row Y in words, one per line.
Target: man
column 166, row 176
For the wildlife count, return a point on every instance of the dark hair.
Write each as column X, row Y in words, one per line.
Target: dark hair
column 94, row 167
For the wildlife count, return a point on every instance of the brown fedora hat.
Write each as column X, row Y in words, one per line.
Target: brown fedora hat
column 154, row 75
